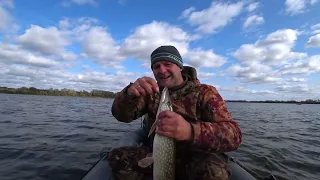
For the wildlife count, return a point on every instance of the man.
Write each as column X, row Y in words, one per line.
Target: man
column 200, row 122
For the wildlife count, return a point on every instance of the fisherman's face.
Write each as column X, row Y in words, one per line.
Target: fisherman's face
column 167, row 74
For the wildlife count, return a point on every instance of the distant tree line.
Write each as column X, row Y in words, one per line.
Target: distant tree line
column 108, row 94
column 57, row 92
column 308, row 101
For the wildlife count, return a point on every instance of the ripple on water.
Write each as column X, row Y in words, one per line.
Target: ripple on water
column 44, row 137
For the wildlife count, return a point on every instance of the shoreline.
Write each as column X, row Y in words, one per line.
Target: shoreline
column 277, row 102
column 57, row 92
column 112, row 96
column 108, row 94
column 58, row 95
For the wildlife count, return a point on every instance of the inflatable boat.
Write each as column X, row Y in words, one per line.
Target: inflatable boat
column 102, row 171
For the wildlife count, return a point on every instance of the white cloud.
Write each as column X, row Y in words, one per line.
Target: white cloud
column 7, row 23
column 99, row 45
column 48, row 41
column 306, row 66
column 303, row 88
column 23, row 71
column 274, row 50
column 254, row 73
column 204, row 58
column 4, row 18
column 7, row 3
column 77, row 24
column 284, row 36
column 103, row 81
column 253, row 6
column 149, row 74
column 65, row 23
column 96, row 42
column 297, row 92
column 281, row 92
column 3, row 68
column 314, row 29
column 187, row 12
column 205, row 75
column 67, row 3
column 313, row 41
column 209, row 20
column 95, row 77
column 248, row 52
column 316, row 26
column 243, row 90
column 268, row 60
column 12, row 54
column 17, row 76
column 146, row 65
column 253, row 20
column 77, row 28
column 295, row 79
column 35, row 58
column 146, row 38
column 317, row 31
column 294, row 7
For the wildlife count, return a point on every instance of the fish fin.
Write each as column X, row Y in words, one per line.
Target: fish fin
column 153, row 128
column 149, row 155
column 145, row 162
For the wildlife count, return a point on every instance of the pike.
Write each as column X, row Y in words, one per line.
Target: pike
column 164, row 148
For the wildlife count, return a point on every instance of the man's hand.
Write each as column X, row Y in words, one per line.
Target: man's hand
column 143, row 86
column 173, row 125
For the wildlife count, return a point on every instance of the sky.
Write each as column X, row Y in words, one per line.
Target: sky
column 248, row 50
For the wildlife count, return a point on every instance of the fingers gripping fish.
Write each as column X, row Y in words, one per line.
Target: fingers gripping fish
column 163, row 156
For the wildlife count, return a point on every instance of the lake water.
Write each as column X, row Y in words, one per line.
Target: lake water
column 48, row 137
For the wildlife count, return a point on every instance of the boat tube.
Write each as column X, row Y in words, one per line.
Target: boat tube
column 102, row 171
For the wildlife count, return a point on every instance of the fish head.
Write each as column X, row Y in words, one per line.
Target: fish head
column 164, row 105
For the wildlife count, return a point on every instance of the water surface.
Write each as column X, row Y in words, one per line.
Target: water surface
column 50, row 137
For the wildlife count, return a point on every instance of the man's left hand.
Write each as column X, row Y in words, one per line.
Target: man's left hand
column 173, row 125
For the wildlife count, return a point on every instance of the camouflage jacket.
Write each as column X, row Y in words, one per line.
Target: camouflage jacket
column 214, row 129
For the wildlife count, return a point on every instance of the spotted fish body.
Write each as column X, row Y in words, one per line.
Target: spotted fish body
column 164, row 147
column 163, row 156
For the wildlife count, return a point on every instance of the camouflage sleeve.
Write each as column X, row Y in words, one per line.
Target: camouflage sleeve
column 216, row 131
column 126, row 108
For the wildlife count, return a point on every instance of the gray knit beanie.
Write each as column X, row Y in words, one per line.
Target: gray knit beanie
column 169, row 53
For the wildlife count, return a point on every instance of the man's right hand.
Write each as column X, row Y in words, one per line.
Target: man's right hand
column 143, row 86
